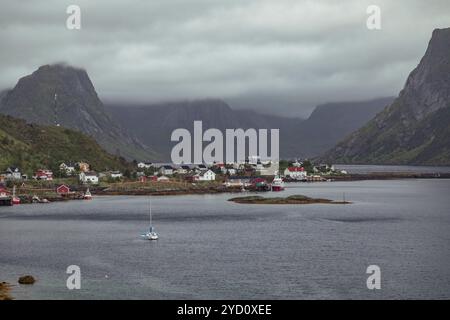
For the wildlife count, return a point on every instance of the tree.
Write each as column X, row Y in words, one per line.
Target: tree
column 309, row 167
column 127, row 173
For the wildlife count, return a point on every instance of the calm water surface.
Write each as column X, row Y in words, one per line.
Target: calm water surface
column 213, row 249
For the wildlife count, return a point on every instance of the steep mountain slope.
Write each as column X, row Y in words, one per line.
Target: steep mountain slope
column 415, row 128
column 32, row 146
column 155, row 123
column 77, row 107
column 329, row 123
column 2, row 95
column 143, row 132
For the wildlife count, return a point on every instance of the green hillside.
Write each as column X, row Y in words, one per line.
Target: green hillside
column 425, row 142
column 30, row 147
column 66, row 94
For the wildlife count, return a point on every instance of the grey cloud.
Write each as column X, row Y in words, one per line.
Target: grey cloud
column 276, row 56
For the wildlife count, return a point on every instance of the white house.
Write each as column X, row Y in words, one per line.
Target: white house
column 116, row 175
column 183, row 169
column 270, row 169
column 296, row 173
column 68, row 168
column 297, row 164
column 89, row 177
column 201, row 168
column 166, row 170
column 13, row 173
column 231, row 171
column 144, row 165
column 208, row 175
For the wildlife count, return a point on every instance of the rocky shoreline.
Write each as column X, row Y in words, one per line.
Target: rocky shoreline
column 174, row 189
column 27, row 199
column 166, row 192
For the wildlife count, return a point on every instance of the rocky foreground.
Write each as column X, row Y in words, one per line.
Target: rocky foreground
column 5, row 288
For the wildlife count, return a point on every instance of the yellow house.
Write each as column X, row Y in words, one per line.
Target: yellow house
column 84, row 167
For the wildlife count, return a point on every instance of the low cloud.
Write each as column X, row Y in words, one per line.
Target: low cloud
column 276, row 56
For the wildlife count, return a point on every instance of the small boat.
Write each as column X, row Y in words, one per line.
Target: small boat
column 151, row 234
column 277, row 184
column 36, row 199
column 260, row 184
column 87, row 195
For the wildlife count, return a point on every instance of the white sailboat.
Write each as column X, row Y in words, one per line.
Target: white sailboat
column 151, row 234
column 87, row 195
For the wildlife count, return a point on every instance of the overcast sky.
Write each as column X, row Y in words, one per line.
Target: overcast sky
column 277, row 56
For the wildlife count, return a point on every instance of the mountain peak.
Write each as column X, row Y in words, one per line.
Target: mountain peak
column 439, row 32
column 414, row 128
column 427, row 88
column 36, row 92
column 60, row 66
column 77, row 107
column 63, row 72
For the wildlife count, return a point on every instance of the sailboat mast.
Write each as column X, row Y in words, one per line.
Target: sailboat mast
column 150, row 200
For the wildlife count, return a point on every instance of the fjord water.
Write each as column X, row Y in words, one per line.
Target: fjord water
column 210, row 248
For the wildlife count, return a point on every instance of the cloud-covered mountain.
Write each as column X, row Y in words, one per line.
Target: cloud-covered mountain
column 143, row 132
column 254, row 54
column 415, row 128
column 299, row 138
column 77, row 107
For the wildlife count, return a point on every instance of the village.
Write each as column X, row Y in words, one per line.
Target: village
column 77, row 180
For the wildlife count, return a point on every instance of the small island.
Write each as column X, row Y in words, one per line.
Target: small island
column 294, row 199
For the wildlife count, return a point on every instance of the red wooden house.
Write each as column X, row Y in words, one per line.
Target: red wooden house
column 43, row 174
column 63, row 189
